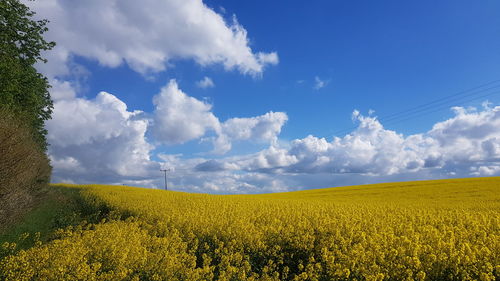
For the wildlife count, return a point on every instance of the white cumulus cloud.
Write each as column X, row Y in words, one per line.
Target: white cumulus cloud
column 107, row 144
column 467, row 144
column 98, row 140
column 179, row 118
column 146, row 35
column 263, row 128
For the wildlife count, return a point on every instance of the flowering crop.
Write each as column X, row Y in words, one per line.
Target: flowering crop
column 433, row 230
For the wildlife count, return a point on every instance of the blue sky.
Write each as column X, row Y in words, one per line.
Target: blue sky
column 376, row 56
column 326, row 59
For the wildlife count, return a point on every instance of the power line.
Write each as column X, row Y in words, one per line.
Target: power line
column 441, row 103
column 439, row 108
column 468, row 92
column 436, row 105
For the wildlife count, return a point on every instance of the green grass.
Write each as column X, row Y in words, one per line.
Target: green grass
column 56, row 207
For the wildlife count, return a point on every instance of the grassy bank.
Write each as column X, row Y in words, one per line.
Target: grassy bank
column 55, row 207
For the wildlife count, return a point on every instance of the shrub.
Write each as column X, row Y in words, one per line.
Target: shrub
column 24, row 167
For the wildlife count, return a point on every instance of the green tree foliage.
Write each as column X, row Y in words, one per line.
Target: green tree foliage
column 23, row 90
column 25, row 104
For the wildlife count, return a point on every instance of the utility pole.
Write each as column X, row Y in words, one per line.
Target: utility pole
column 165, row 172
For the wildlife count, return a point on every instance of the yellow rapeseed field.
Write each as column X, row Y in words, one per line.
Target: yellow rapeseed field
column 430, row 230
